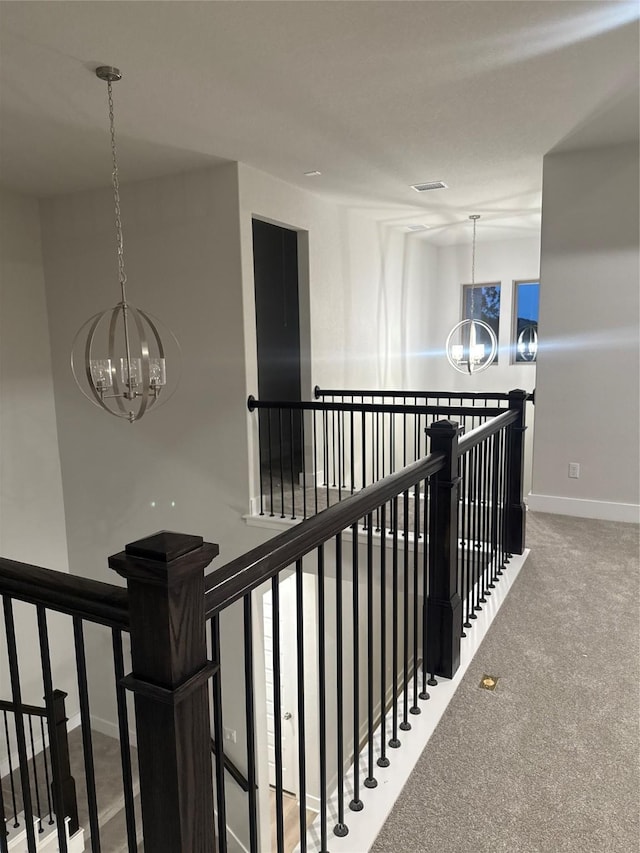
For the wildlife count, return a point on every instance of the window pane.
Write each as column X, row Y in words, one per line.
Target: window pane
column 482, row 302
column 526, row 325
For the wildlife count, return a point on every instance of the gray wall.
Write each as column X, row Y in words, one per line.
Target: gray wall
column 588, row 367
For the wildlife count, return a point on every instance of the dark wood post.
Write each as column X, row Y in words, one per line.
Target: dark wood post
column 444, row 605
column 61, row 766
column 516, row 510
column 170, row 671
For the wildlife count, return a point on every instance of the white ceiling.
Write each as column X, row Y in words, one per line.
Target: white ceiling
column 375, row 95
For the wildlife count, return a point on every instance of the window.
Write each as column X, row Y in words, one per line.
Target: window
column 525, row 321
column 486, row 307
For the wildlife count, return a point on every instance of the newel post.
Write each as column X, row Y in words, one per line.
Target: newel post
column 516, row 510
column 444, row 605
column 59, row 740
column 170, row 671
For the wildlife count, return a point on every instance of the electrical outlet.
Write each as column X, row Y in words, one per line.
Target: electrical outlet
column 574, row 470
column 230, row 734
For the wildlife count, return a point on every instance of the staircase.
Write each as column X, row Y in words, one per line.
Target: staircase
column 46, row 835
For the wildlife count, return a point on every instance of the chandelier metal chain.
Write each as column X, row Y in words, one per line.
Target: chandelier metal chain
column 474, row 219
column 116, row 194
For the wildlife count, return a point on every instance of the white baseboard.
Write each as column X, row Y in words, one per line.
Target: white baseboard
column 106, row 727
column 605, row 510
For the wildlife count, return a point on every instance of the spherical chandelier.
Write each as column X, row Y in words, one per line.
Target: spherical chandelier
column 471, row 345
column 118, row 356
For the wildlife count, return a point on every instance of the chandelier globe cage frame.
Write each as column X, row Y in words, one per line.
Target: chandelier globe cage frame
column 471, row 345
column 118, row 357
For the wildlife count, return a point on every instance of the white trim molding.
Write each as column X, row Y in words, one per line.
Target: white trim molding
column 581, row 508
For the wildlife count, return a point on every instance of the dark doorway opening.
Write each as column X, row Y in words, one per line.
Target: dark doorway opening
column 275, row 269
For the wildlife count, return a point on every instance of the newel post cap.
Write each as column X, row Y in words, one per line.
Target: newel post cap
column 164, row 557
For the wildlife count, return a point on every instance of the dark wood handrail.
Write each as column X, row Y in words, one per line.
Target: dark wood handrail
column 460, row 395
column 388, row 408
column 12, row 708
column 245, row 573
column 77, row 596
column 234, row 771
column 481, row 433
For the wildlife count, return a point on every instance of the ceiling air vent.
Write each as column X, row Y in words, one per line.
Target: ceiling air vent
column 418, row 227
column 430, row 185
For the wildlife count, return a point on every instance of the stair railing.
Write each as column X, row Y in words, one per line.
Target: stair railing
column 313, row 454
column 387, row 582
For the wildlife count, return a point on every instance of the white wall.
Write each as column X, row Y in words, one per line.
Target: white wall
column 587, row 397
column 32, row 527
column 184, row 466
column 32, row 521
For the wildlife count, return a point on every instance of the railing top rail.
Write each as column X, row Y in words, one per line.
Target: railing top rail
column 457, row 395
column 390, row 408
column 481, row 433
column 245, row 573
column 23, row 709
column 83, row 597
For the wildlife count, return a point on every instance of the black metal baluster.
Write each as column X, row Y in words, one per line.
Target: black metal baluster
column 218, row 734
column 325, row 451
column 491, row 512
column 125, row 747
column 277, row 709
column 483, row 521
column 351, row 456
column 415, row 708
column 260, row 459
column 16, row 823
column 293, row 485
column 269, row 436
column 424, row 694
column 302, row 763
column 16, row 695
column 344, row 482
column 322, row 701
column 503, row 486
column 250, row 716
column 394, row 743
column 405, row 725
column 304, row 466
column 333, row 446
column 340, row 455
column 356, row 804
column 476, row 523
column 364, row 450
column 35, row 776
column 383, row 761
column 3, row 829
column 404, row 435
column 315, row 460
column 87, row 747
column 392, row 442
column 370, row 781
column 281, row 454
column 341, row 828
column 58, row 798
column 465, row 555
column 47, row 781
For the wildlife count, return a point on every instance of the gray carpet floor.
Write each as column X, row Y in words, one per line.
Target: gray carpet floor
column 549, row 761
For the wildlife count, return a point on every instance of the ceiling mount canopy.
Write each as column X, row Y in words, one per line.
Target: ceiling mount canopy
column 471, row 345
column 122, row 349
